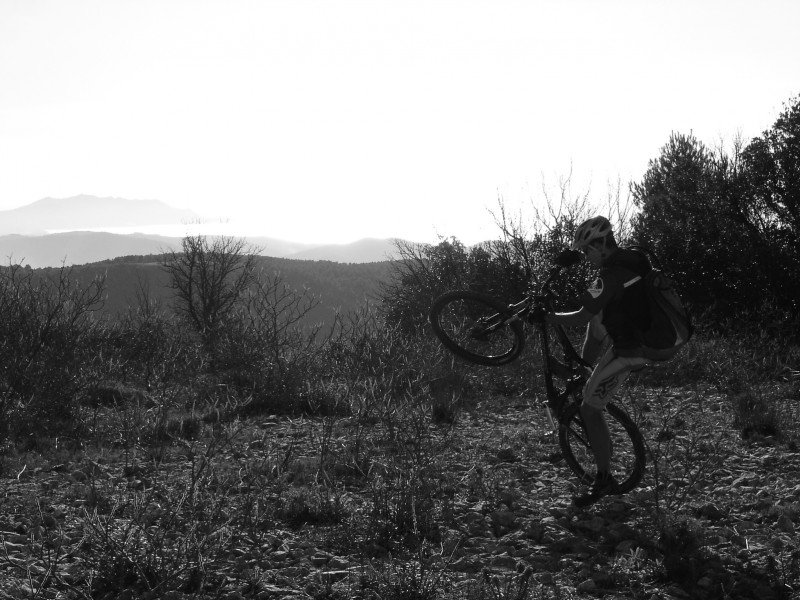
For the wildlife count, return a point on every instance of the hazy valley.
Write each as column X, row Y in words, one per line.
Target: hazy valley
column 84, row 229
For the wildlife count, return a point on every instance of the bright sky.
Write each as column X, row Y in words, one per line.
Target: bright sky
column 333, row 120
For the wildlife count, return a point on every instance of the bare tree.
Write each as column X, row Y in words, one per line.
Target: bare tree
column 209, row 276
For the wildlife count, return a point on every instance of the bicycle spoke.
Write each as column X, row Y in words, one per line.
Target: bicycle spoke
column 476, row 328
column 578, row 434
column 627, row 456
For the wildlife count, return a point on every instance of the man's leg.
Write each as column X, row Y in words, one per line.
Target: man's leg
column 605, row 380
column 599, row 436
column 596, row 426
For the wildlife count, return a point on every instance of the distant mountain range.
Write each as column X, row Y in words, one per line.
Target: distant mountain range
column 80, row 213
column 26, row 238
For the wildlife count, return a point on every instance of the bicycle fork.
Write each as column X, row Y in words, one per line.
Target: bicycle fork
column 550, row 419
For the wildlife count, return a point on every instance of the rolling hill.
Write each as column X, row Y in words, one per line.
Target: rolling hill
column 84, row 247
column 84, row 229
column 342, row 287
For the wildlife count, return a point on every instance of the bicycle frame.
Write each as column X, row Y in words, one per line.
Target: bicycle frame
column 453, row 317
column 557, row 400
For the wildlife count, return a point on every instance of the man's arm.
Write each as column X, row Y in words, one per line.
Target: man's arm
column 595, row 336
column 593, row 343
column 579, row 318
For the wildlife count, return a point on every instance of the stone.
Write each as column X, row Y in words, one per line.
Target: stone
column 710, row 512
column 465, row 564
column 785, row 524
column 337, row 564
column 79, row 476
column 504, row 561
column 504, row 518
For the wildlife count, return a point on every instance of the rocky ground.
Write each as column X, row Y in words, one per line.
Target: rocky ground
column 313, row 508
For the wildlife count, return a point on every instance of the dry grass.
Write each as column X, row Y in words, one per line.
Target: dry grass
column 374, row 466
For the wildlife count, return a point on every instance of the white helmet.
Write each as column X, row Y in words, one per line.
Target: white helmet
column 594, row 229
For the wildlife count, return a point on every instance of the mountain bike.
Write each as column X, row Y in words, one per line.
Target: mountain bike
column 485, row 330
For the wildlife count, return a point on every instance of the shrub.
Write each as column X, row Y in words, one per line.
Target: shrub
column 47, row 348
column 264, row 351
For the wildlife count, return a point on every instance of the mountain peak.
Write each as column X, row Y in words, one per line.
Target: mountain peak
column 90, row 212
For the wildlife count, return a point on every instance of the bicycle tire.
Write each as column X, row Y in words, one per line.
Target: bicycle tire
column 473, row 326
column 628, row 458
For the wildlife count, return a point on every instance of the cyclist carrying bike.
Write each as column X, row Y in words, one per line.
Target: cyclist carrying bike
column 611, row 312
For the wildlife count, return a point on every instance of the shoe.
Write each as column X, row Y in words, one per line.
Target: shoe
column 604, row 485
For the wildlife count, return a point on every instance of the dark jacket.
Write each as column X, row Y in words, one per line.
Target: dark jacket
column 623, row 302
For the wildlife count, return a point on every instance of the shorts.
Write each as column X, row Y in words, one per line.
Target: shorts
column 607, row 377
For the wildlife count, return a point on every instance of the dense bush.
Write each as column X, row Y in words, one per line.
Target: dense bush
column 746, row 255
column 264, row 350
column 47, row 346
column 507, row 268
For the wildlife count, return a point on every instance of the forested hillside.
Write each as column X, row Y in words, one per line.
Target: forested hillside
column 343, row 287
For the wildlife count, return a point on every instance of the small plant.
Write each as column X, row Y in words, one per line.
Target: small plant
column 446, row 396
column 312, row 506
column 682, row 546
column 783, row 566
column 403, row 510
column 184, row 426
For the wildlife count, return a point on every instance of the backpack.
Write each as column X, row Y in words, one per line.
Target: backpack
column 670, row 324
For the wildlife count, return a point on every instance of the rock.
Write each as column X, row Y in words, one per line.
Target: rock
column 785, row 524
column 738, row 540
column 319, row 560
column 49, row 521
column 509, row 497
column 60, row 514
column 471, row 517
column 336, row 563
column 503, row 518
column 743, row 526
column 78, row 476
column 504, row 561
column 268, row 592
column 466, row 564
column 535, row 532
column 571, row 545
column 710, row 512
column 705, row 582
column 477, row 529
column 507, row 455
column 596, row 524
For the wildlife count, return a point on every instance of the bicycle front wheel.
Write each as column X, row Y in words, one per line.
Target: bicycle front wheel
column 628, row 454
column 477, row 327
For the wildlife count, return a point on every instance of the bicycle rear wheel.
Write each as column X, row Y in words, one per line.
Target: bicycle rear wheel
column 628, row 454
column 475, row 327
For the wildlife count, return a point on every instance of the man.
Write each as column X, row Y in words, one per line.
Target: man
column 614, row 309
